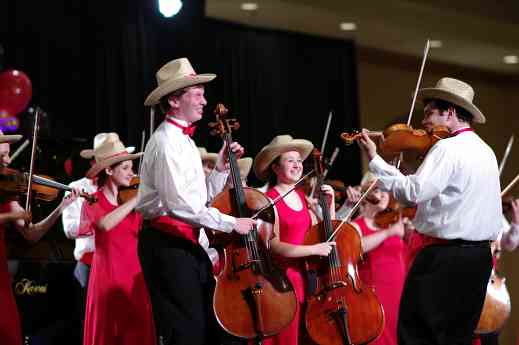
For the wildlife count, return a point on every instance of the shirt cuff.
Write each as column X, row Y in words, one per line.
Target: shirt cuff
column 229, row 223
column 376, row 165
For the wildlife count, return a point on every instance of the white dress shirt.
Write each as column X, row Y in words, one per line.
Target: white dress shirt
column 173, row 182
column 456, row 189
column 71, row 216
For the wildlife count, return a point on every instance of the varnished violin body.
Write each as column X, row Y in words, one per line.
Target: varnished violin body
column 128, row 192
column 402, row 138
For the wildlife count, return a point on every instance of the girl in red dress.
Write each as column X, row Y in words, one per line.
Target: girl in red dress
column 11, row 211
column 118, row 309
column 383, row 266
column 282, row 162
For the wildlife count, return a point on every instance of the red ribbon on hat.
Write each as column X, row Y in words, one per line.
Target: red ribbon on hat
column 187, row 130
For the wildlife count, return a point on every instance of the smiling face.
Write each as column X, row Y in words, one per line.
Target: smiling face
column 5, row 159
column 289, row 169
column 121, row 174
column 190, row 105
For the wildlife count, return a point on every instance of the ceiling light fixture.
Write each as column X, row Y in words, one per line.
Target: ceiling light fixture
column 346, row 26
column 435, row 43
column 249, row 6
column 511, row 59
column 169, row 8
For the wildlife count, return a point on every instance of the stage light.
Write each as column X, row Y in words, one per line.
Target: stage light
column 348, row 26
column 511, row 59
column 169, row 8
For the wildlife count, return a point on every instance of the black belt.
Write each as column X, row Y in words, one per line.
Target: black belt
column 465, row 243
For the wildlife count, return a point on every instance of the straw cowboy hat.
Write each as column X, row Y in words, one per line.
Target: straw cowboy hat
column 108, row 150
column 244, row 164
column 456, row 92
column 175, row 75
column 279, row 145
column 207, row 156
column 10, row 138
column 89, row 153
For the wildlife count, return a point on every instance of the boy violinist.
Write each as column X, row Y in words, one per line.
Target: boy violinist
column 457, row 193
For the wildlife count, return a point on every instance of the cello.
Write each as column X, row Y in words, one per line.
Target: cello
column 253, row 298
column 342, row 310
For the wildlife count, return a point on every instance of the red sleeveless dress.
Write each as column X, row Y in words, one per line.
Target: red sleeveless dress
column 118, row 308
column 384, row 269
column 293, row 226
column 10, row 330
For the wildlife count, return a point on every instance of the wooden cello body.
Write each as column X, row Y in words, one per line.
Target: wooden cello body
column 341, row 310
column 253, row 299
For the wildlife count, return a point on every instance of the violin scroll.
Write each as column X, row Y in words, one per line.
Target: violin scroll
column 223, row 125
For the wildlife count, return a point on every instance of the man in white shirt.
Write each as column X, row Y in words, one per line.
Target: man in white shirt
column 457, row 193
column 172, row 198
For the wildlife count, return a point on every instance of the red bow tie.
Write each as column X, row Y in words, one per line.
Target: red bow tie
column 187, row 130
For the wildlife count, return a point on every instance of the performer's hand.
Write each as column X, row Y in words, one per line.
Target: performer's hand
column 515, row 211
column 71, row 197
column 322, row 249
column 329, row 193
column 244, row 225
column 352, row 195
column 367, row 145
column 15, row 215
column 222, row 162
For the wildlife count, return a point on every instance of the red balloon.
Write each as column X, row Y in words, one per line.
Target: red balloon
column 15, row 91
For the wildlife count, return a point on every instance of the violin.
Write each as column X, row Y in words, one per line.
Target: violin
column 14, row 183
column 253, row 298
column 393, row 213
column 341, row 309
column 128, row 192
column 403, row 138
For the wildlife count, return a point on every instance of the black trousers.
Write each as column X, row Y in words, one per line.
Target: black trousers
column 443, row 294
column 179, row 278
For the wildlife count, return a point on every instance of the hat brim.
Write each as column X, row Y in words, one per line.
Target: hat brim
column 245, row 164
column 10, row 138
column 209, row 157
column 446, row 95
column 270, row 153
column 96, row 168
column 89, row 153
column 176, row 84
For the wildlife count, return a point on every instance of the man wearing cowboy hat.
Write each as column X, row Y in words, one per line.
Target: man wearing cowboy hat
column 173, row 194
column 457, row 193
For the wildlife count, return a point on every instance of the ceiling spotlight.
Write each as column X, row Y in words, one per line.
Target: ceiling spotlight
column 249, row 6
column 511, row 59
column 435, row 43
column 348, row 26
column 169, row 8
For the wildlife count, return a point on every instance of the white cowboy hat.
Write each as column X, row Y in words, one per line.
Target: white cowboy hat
column 456, row 92
column 244, row 164
column 207, row 156
column 175, row 75
column 108, row 150
column 279, row 145
column 89, row 153
column 9, row 138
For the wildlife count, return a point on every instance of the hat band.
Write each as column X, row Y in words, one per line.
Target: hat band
column 122, row 153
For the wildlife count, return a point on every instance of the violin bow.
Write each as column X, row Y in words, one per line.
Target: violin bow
column 323, row 144
column 510, row 185
column 143, row 139
column 281, row 197
column 353, row 209
column 33, row 154
column 418, row 82
column 505, row 156
column 19, row 150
